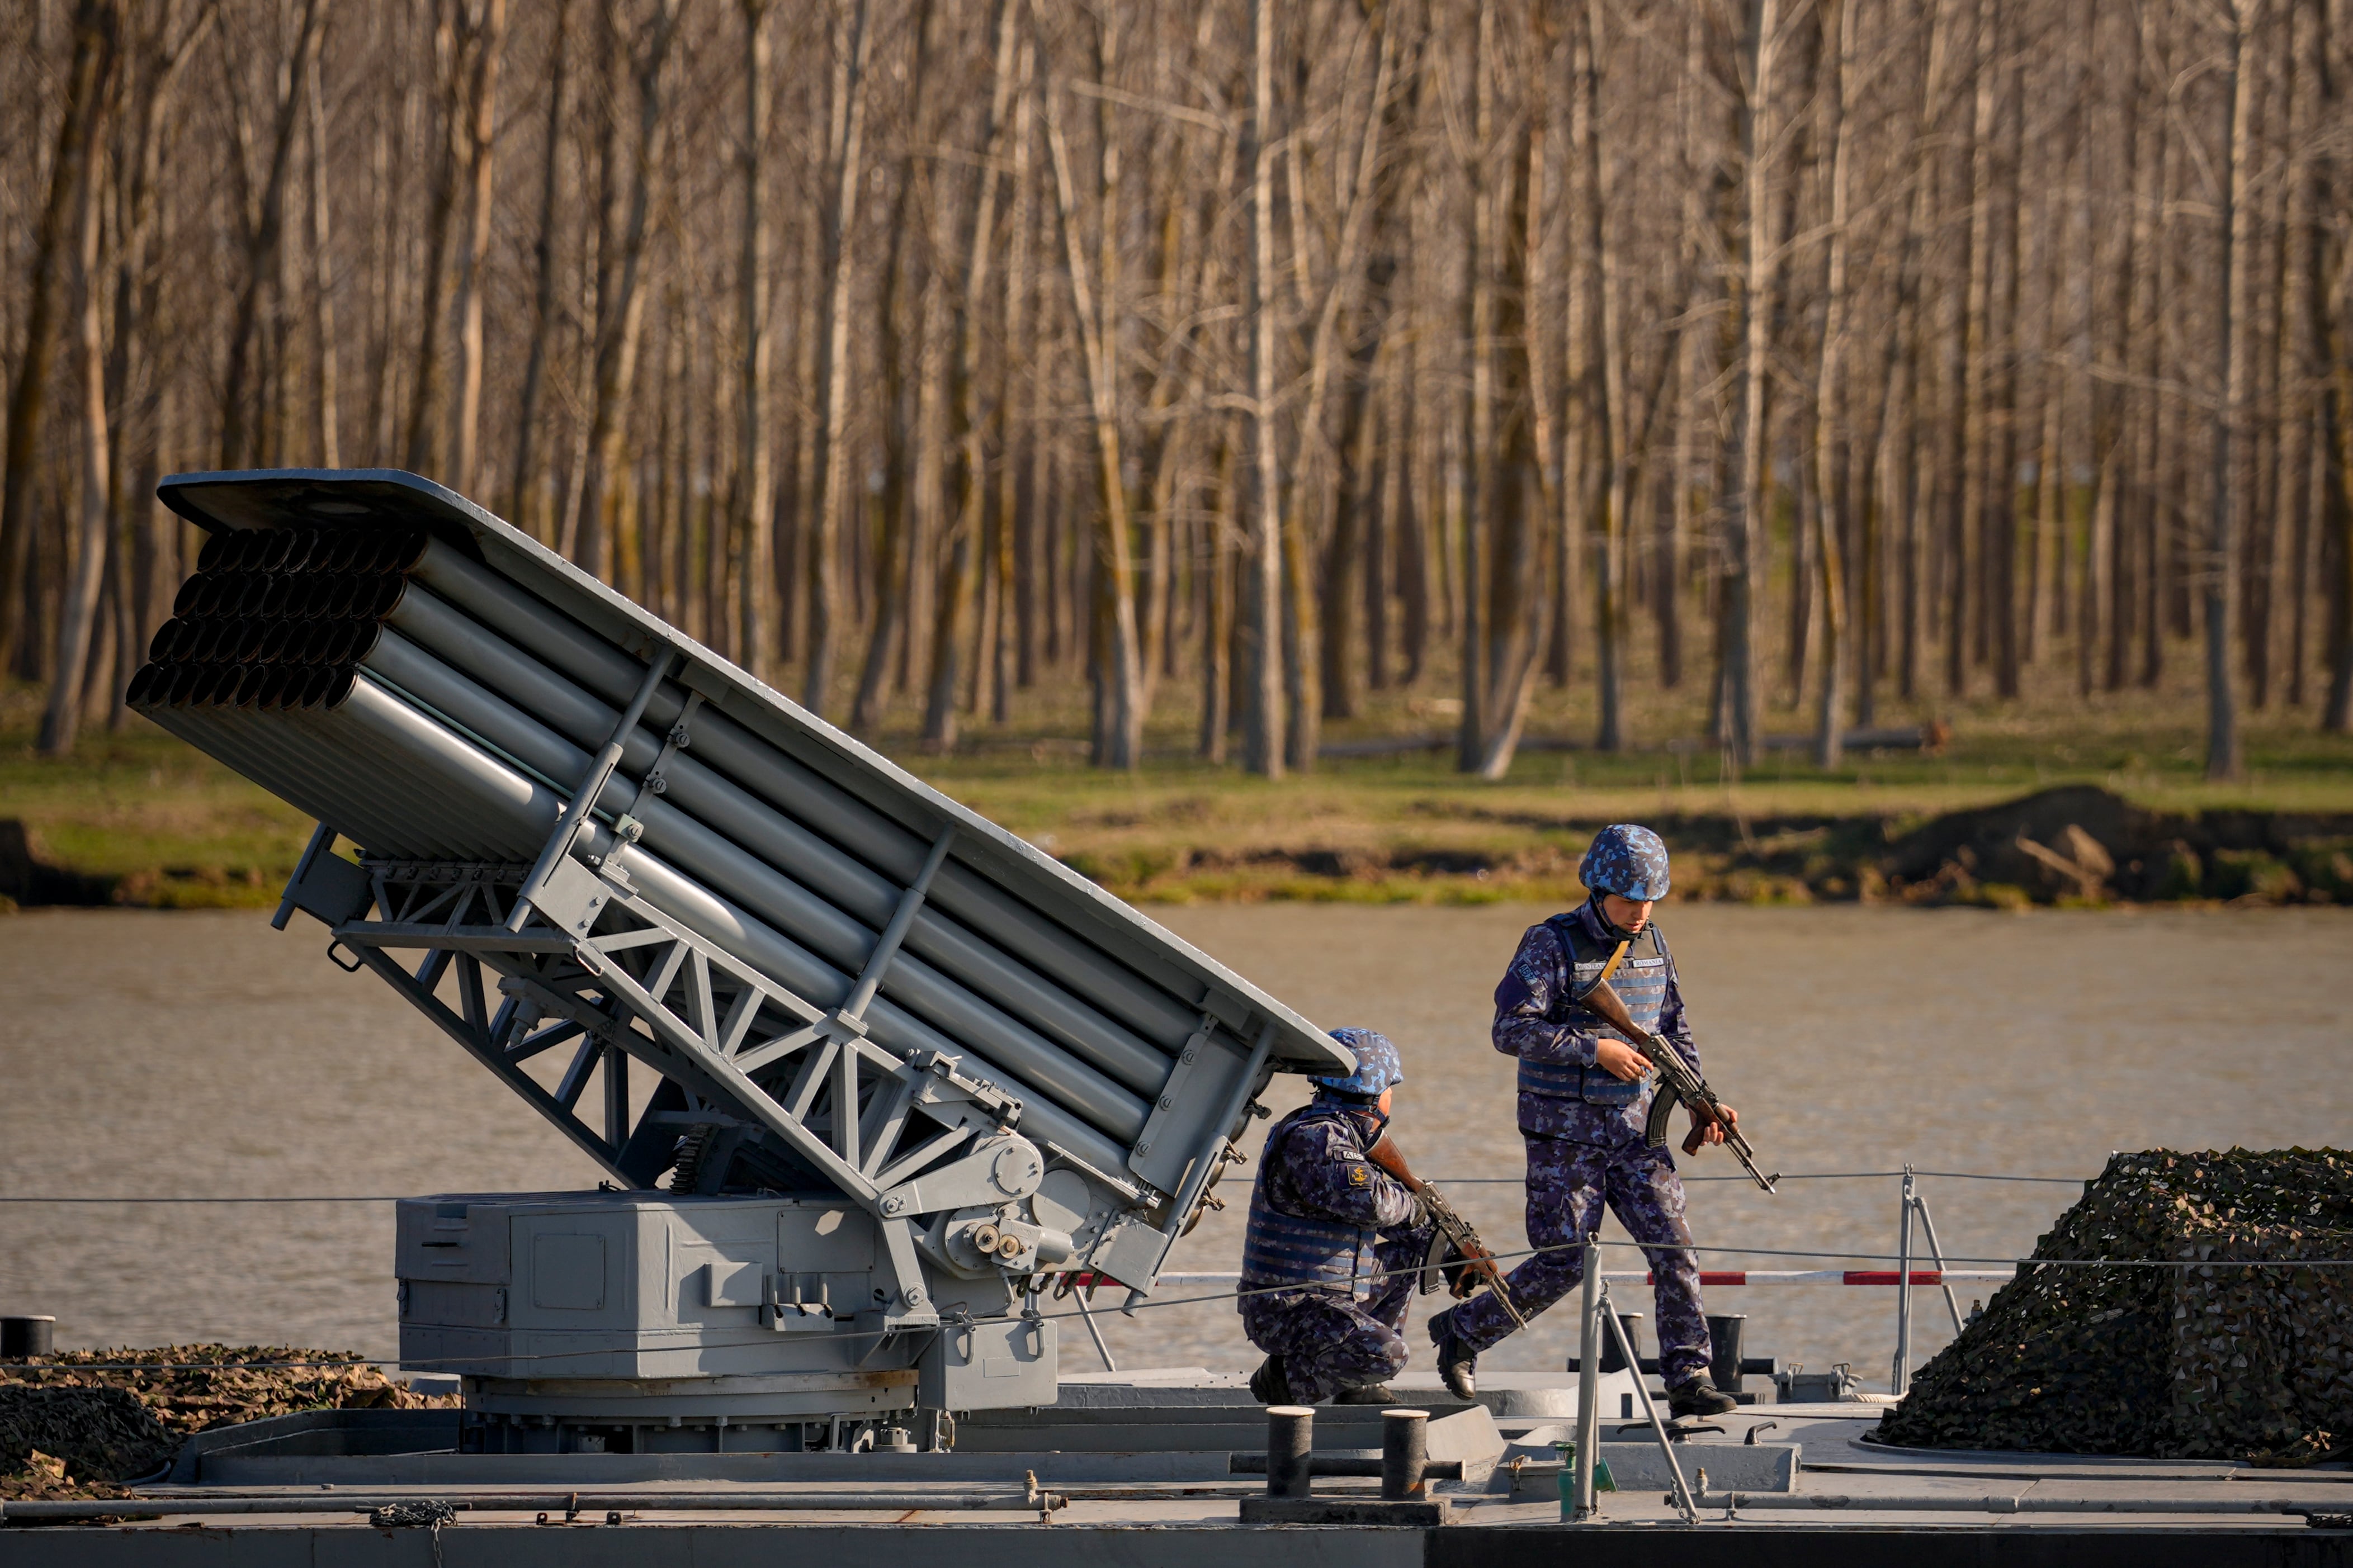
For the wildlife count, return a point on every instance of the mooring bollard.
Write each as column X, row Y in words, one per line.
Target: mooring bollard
column 1290, row 1448
column 1610, row 1359
column 1725, row 1334
column 1404, row 1453
column 21, row 1339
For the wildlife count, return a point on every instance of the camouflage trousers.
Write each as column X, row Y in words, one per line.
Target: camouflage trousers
column 1331, row 1342
column 1567, row 1185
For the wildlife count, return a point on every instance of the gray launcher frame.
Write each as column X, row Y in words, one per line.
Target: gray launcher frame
column 581, row 832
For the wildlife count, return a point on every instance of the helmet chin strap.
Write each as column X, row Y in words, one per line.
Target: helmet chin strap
column 1357, row 1105
column 1601, row 914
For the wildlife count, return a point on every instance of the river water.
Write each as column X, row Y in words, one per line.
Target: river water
column 146, row 1053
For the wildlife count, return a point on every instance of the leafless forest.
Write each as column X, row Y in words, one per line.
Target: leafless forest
column 1238, row 356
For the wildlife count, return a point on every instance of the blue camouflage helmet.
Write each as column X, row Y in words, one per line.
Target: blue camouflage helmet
column 1377, row 1063
column 1625, row 859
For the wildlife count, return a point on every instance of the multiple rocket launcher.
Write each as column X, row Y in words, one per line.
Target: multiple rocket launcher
column 580, row 830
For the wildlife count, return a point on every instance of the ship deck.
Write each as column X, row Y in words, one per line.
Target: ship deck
column 1166, row 1467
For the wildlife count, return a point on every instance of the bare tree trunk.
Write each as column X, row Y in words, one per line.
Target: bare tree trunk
column 620, row 319
column 847, row 143
column 1839, row 24
column 2302, row 332
column 753, row 504
column 523, row 485
column 1600, row 426
column 1476, row 483
column 327, row 411
column 966, row 433
column 77, row 621
column 490, row 27
column 95, row 26
column 1263, row 726
column 1744, row 522
column 454, row 40
column 2336, row 529
column 2233, row 361
column 237, row 440
column 1119, row 738
column 1013, row 658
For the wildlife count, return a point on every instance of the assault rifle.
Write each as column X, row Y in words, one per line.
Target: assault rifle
column 1478, row 1265
column 1678, row 1080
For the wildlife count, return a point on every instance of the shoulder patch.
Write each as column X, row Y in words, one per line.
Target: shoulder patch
column 1359, row 1176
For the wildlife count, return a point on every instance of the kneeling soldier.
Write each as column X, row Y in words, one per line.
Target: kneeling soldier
column 1334, row 1243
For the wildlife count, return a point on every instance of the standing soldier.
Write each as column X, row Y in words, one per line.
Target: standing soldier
column 1335, row 1242
column 1584, row 1093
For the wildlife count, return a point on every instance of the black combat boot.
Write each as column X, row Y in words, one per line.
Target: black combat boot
column 1369, row 1394
column 1700, row 1396
column 1268, row 1385
column 1457, row 1362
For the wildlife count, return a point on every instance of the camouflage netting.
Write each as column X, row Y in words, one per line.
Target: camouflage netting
column 88, row 1433
column 2215, row 1361
column 71, row 1423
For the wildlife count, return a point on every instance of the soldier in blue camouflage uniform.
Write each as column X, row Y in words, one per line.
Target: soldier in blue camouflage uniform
column 1335, row 1242
column 1584, row 1093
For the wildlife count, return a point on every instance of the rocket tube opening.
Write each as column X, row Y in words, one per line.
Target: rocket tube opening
column 278, row 639
column 159, row 647
column 184, row 603
column 248, row 689
column 215, row 547
column 338, row 691
column 204, row 597
column 278, row 596
column 276, row 681
column 143, row 683
column 272, row 554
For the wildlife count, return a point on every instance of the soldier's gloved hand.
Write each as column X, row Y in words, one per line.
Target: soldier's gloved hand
column 1620, row 1060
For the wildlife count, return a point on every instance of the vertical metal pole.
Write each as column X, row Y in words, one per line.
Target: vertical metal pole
column 1589, row 1382
column 1682, row 1494
column 1902, row 1381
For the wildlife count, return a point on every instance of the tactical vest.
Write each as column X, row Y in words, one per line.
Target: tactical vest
column 1305, row 1251
column 1640, row 982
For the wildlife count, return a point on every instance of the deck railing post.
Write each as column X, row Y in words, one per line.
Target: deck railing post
column 1902, row 1381
column 1589, row 1382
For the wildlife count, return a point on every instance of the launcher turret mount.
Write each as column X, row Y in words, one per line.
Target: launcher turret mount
column 897, row 1068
